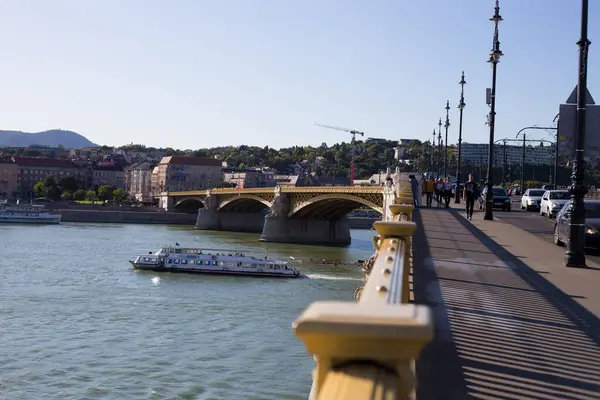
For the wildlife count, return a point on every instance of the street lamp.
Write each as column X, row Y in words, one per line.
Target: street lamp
column 439, row 161
column 494, row 59
column 461, row 106
column 446, row 126
column 432, row 152
column 575, row 255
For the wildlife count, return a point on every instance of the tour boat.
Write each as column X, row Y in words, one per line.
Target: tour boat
column 212, row 261
column 26, row 214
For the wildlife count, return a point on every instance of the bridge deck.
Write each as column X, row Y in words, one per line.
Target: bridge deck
column 506, row 329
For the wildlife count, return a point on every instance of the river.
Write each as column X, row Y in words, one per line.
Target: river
column 77, row 322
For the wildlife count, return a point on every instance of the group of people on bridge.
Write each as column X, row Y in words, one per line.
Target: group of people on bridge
column 441, row 189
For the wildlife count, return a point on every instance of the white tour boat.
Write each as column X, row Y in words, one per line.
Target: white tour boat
column 212, row 261
column 26, row 214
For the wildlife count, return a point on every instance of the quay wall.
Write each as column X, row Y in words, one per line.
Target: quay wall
column 127, row 217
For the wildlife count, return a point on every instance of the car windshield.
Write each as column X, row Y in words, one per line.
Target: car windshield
column 536, row 193
column 498, row 192
column 560, row 195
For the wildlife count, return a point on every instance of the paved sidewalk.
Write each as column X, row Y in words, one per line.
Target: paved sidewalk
column 512, row 323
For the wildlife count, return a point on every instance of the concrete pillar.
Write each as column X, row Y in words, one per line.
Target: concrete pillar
column 166, row 202
column 278, row 227
column 211, row 219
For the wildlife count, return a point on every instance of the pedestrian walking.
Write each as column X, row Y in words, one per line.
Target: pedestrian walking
column 429, row 189
column 447, row 192
column 469, row 196
column 414, row 185
column 439, row 188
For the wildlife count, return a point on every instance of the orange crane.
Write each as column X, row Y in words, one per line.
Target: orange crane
column 353, row 133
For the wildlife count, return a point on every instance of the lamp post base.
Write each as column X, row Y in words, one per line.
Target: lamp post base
column 456, row 198
column 488, row 213
column 575, row 259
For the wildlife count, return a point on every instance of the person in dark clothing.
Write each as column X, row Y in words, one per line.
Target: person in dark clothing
column 469, row 193
column 414, row 185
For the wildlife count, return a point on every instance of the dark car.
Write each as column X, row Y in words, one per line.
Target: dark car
column 592, row 224
column 501, row 198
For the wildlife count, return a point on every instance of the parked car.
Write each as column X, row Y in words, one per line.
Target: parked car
column 500, row 198
column 592, row 224
column 553, row 201
column 548, row 187
column 531, row 199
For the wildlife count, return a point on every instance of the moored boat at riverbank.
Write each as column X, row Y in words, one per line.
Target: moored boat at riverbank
column 212, row 261
column 26, row 214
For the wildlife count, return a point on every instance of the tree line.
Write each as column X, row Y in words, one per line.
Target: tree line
column 67, row 189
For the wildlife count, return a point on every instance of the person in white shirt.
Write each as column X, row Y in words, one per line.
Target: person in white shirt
column 447, row 192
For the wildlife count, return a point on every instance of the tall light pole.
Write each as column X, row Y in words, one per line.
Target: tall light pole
column 446, row 126
column 432, row 153
column 495, row 55
column 575, row 255
column 461, row 106
column 439, row 161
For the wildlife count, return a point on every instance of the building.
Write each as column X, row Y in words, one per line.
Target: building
column 477, row 154
column 32, row 170
column 248, row 178
column 108, row 173
column 9, row 174
column 138, row 181
column 179, row 173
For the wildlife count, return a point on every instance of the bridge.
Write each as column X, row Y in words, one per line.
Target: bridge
column 309, row 215
column 458, row 309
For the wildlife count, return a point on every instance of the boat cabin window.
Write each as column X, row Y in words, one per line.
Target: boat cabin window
column 175, row 261
column 184, row 261
column 169, row 261
column 230, row 264
column 192, row 262
column 215, row 263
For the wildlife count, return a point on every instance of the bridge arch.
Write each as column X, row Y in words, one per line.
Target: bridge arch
column 244, row 203
column 189, row 205
column 332, row 206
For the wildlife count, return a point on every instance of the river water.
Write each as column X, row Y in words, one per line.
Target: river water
column 77, row 322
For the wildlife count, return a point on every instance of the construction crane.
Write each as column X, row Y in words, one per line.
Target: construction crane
column 353, row 133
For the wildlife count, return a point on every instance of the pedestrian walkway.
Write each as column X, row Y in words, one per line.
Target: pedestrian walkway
column 503, row 329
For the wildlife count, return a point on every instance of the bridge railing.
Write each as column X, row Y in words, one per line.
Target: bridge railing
column 366, row 350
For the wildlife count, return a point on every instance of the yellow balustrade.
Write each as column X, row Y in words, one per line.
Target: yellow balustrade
column 366, row 350
column 402, row 212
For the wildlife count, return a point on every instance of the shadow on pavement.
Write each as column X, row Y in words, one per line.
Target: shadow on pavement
column 503, row 331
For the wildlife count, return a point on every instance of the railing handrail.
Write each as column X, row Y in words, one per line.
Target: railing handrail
column 367, row 349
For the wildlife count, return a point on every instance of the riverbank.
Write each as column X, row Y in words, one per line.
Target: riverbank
column 152, row 216
column 126, row 217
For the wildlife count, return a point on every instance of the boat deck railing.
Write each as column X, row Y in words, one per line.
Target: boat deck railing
column 366, row 350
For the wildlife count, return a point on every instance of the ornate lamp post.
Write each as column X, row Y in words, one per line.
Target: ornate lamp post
column 495, row 55
column 446, row 126
column 432, row 154
column 439, row 161
column 575, row 255
column 461, row 106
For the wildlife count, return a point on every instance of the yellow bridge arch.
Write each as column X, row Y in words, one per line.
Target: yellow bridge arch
column 242, row 201
column 333, row 205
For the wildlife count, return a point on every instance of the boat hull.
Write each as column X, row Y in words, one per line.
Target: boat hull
column 212, row 271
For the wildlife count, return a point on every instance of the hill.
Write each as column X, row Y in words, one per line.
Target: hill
column 51, row 138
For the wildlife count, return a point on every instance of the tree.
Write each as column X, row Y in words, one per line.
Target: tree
column 49, row 181
column 105, row 192
column 40, row 189
column 69, row 184
column 79, row 194
column 90, row 195
column 242, row 166
column 54, row 192
column 118, row 195
column 66, row 196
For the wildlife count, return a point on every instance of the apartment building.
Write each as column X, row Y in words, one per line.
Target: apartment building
column 138, row 181
column 179, row 173
column 248, row 178
column 477, row 153
column 9, row 174
column 32, row 170
column 108, row 173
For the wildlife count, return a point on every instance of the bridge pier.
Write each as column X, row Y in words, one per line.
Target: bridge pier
column 233, row 222
column 306, row 231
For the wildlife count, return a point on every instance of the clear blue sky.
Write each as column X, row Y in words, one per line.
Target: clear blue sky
column 199, row 73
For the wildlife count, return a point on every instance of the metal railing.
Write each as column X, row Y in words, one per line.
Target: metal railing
column 366, row 350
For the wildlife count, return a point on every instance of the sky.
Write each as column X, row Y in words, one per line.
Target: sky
column 202, row 73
